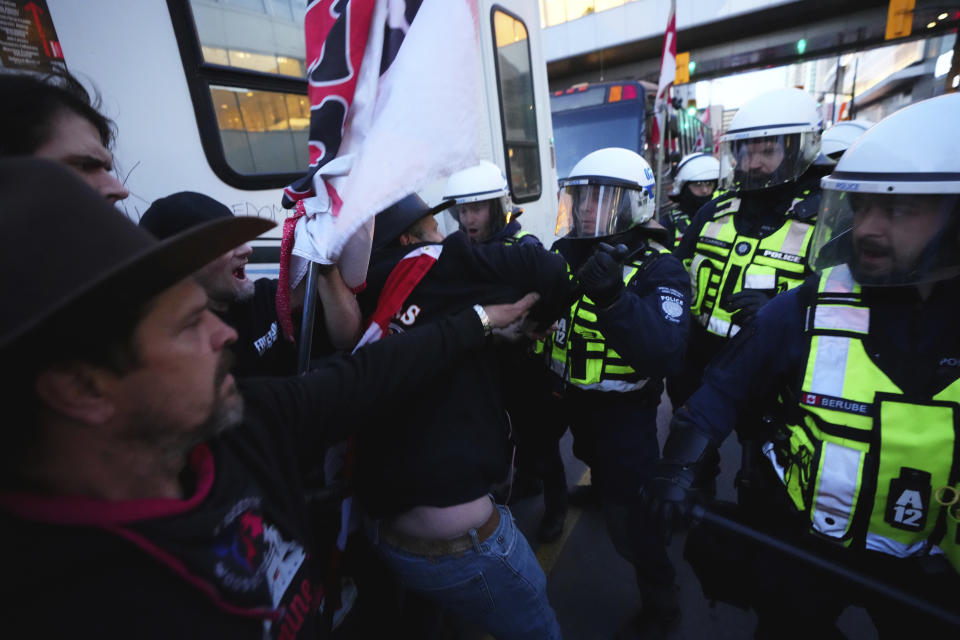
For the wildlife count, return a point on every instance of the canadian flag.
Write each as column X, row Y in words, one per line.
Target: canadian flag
column 668, row 72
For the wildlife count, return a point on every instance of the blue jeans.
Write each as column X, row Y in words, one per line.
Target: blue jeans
column 498, row 585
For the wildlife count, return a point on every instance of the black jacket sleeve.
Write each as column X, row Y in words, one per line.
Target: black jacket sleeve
column 517, row 269
column 648, row 324
column 324, row 406
column 688, row 243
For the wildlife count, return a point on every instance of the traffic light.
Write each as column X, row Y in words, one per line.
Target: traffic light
column 899, row 19
column 801, row 45
column 683, row 68
column 692, row 108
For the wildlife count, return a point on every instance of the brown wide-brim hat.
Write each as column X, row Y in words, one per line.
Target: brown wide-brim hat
column 69, row 251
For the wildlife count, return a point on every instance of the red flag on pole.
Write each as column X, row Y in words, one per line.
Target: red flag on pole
column 668, row 71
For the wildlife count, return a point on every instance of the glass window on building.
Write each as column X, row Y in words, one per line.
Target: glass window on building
column 262, row 131
column 518, row 115
column 259, row 35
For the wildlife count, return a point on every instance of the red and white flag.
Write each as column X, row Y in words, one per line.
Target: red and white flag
column 668, row 72
column 396, row 96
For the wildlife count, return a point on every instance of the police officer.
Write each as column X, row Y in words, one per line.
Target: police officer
column 482, row 205
column 625, row 331
column 750, row 242
column 864, row 465
column 694, row 184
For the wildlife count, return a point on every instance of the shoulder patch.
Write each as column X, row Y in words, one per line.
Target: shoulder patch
column 671, row 304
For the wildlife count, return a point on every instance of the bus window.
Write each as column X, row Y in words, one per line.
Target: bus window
column 518, row 115
column 244, row 61
column 262, row 131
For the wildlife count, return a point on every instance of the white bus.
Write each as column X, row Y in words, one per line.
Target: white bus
column 210, row 96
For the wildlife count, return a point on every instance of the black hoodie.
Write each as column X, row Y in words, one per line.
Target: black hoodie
column 236, row 555
column 447, row 443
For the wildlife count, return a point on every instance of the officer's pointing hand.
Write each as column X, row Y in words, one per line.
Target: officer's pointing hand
column 602, row 274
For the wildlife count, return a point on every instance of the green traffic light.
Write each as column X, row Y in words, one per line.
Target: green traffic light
column 692, row 111
column 692, row 66
column 801, row 45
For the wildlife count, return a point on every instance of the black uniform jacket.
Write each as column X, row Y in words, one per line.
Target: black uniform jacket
column 447, row 443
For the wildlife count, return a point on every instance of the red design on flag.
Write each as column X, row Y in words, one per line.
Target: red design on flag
column 336, row 37
column 668, row 72
column 386, row 80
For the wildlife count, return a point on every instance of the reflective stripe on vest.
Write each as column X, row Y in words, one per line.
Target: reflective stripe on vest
column 681, row 222
column 725, row 263
column 515, row 238
column 860, row 459
column 578, row 353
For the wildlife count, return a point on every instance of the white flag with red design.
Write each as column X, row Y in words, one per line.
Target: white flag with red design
column 404, row 114
column 668, row 72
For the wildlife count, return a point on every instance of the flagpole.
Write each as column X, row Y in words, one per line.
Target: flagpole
column 305, row 344
column 668, row 72
column 660, row 155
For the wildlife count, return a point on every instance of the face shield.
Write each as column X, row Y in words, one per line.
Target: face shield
column 590, row 210
column 888, row 240
column 750, row 164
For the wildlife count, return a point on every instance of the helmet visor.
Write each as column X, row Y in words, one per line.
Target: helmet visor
column 888, row 240
column 590, row 210
column 759, row 163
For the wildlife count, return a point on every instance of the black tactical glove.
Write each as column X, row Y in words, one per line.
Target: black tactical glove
column 668, row 497
column 747, row 303
column 601, row 276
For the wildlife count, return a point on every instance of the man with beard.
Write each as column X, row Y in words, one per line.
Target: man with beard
column 750, row 242
column 249, row 306
column 129, row 506
column 862, row 464
column 694, row 184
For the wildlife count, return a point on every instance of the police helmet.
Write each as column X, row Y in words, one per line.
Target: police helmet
column 481, row 183
column 838, row 139
column 891, row 207
column 695, row 167
column 608, row 192
column 772, row 140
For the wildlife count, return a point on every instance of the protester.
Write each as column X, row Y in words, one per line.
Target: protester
column 250, row 306
column 483, row 210
column 53, row 117
column 425, row 470
column 145, row 494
